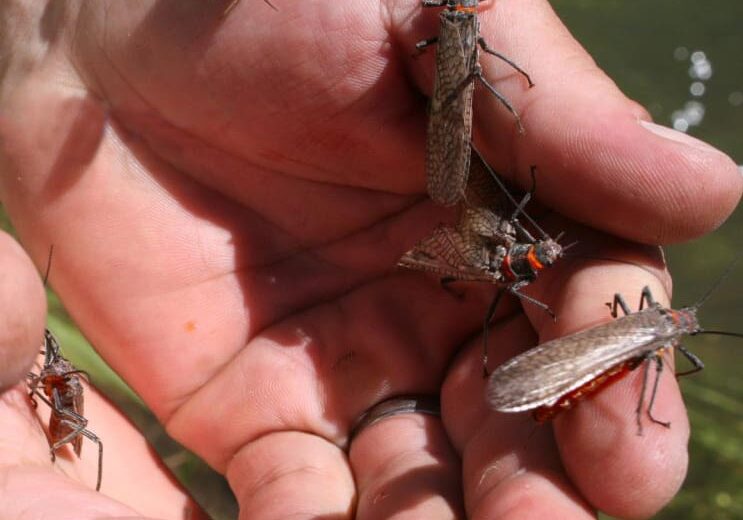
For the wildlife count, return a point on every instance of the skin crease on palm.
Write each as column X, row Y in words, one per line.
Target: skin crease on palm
column 227, row 197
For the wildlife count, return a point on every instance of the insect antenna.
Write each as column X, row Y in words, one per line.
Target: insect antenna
column 722, row 278
column 565, row 248
column 519, row 206
column 719, row 333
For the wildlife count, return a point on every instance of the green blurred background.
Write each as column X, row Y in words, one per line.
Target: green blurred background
column 649, row 48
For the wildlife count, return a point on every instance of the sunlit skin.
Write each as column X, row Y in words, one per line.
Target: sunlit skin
column 227, row 197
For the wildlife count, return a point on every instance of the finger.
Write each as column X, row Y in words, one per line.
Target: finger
column 68, row 483
column 511, row 466
column 406, row 468
column 637, row 180
column 331, row 94
column 617, row 470
column 23, row 307
column 291, row 475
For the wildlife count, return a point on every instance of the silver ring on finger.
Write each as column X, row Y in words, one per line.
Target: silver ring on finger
column 402, row 404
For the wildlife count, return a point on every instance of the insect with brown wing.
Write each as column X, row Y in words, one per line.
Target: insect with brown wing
column 488, row 244
column 555, row 375
column 58, row 385
column 450, row 110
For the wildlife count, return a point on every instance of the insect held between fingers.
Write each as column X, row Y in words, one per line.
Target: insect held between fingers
column 555, row 375
column 488, row 244
column 450, row 108
column 58, row 385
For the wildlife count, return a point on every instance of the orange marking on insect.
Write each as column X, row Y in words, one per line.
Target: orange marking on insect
column 566, row 402
column 534, row 262
column 506, row 269
column 463, row 9
column 52, row 381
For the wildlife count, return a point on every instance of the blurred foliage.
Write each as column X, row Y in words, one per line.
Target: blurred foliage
column 634, row 41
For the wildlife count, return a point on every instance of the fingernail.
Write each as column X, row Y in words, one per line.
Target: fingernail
column 679, row 137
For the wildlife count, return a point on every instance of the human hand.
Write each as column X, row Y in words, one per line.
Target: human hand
column 227, row 197
column 34, row 487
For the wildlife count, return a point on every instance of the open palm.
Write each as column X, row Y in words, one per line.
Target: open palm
column 228, row 196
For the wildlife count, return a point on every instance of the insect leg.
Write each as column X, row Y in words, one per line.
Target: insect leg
column 646, row 297
column 497, row 54
column 35, row 393
column 641, row 401
column 618, row 301
column 33, row 383
column 72, row 419
column 78, row 425
column 434, row 3
column 235, row 2
column 468, row 79
column 486, row 329
column 698, row 365
column 93, row 437
column 477, row 73
column 423, row 44
column 522, row 204
column 525, row 199
column 518, row 205
column 445, row 284
column 658, row 369
column 230, row 8
column 514, row 289
column 533, row 174
column 528, row 237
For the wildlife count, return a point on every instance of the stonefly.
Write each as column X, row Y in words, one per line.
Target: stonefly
column 488, row 244
column 555, row 375
column 450, row 111
column 61, row 389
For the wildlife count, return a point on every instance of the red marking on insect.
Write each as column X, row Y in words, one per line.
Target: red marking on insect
column 63, row 393
column 508, row 273
column 553, row 376
column 534, row 262
column 566, row 402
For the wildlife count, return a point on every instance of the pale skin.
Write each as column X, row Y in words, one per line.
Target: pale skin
column 227, row 196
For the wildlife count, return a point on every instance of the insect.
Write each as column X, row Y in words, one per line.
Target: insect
column 450, row 111
column 485, row 245
column 233, row 3
column 555, row 375
column 58, row 385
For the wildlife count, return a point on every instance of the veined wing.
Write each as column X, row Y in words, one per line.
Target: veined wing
column 482, row 222
column 450, row 118
column 448, row 253
column 543, row 374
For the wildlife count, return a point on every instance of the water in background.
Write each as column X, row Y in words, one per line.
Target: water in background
column 682, row 60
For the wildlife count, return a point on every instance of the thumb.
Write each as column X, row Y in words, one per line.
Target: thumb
column 23, row 307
